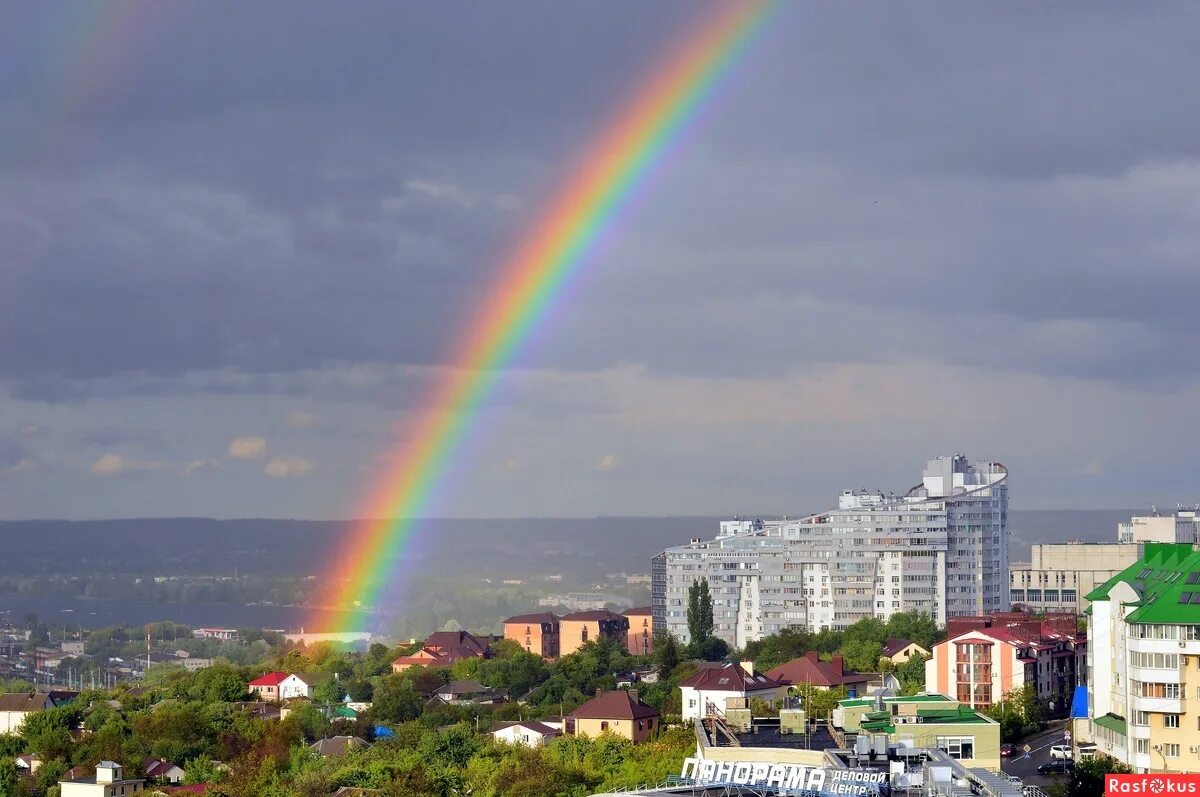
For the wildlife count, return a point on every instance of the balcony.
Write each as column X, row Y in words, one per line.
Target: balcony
column 1168, row 705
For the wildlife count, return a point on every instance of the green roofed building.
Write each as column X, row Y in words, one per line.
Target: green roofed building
column 1144, row 662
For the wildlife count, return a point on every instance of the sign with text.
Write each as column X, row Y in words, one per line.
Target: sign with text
column 1151, row 785
column 821, row 780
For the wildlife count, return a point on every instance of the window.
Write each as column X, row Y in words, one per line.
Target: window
column 1016, row 595
column 1170, row 720
column 1141, row 718
column 1069, row 596
column 957, row 746
column 1171, row 750
column 603, row 725
column 584, row 634
column 1142, row 746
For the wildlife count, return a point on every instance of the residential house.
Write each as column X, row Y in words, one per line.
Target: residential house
column 618, row 712
column 640, row 641
column 707, row 691
column 898, row 650
column 579, row 628
column 302, row 684
column 30, row 763
column 442, row 649
column 192, row 663
column 529, row 733
column 537, row 633
column 16, row 706
column 163, row 771
column 267, row 686
column 463, row 693
column 809, row 669
column 337, row 745
column 109, row 781
column 985, row 658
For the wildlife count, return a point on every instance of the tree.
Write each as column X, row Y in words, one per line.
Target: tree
column 1087, row 779
column 911, row 675
column 10, row 776
column 666, row 654
column 712, row 648
column 699, row 611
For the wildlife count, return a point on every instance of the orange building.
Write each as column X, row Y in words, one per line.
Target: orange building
column 579, row 628
column 618, row 712
column 641, row 631
column 536, row 633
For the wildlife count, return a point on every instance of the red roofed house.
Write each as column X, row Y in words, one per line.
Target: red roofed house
column 980, row 663
column 162, row 770
column 898, row 651
column 809, row 669
column 619, row 712
column 267, row 686
column 707, row 690
column 442, row 649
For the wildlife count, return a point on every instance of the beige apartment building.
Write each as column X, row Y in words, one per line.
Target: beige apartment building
column 1060, row 575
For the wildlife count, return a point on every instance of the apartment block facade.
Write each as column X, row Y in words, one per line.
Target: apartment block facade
column 941, row 549
column 985, row 658
column 1059, row 576
column 1144, row 662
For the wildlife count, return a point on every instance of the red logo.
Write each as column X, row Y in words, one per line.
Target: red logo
column 1151, row 785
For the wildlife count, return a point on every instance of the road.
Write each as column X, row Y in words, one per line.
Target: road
column 1026, row 768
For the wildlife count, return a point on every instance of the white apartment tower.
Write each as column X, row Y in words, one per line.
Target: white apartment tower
column 941, row 549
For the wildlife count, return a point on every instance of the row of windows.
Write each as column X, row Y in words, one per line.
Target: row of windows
column 1168, row 750
column 1156, row 661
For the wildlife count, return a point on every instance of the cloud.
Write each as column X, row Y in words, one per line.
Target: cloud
column 114, row 464
column 198, row 465
column 283, row 467
column 607, row 462
column 301, row 419
column 247, row 447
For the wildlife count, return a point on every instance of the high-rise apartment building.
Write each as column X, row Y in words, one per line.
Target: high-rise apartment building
column 1143, row 661
column 940, row 549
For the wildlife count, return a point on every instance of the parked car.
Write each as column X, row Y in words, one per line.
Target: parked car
column 1059, row 766
column 1060, row 752
column 1006, row 750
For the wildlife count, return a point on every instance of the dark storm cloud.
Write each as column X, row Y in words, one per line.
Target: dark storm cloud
column 264, row 193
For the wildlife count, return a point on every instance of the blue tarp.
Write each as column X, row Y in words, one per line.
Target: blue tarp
column 1079, row 703
column 382, row 732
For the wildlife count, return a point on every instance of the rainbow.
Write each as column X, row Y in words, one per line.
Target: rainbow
column 553, row 249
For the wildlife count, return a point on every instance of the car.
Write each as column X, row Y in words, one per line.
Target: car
column 1060, row 752
column 1006, row 750
column 1058, row 766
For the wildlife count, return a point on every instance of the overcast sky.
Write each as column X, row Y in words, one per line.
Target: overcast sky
column 237, row 239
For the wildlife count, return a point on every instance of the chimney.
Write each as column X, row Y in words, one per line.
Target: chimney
column 633, row 696
column 748, row 666
column 812, row 656
column 837, row 664
column 598, row 691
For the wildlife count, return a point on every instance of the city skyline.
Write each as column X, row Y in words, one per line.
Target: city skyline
column 225, row 297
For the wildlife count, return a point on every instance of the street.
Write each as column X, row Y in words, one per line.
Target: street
column 1026, row 768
